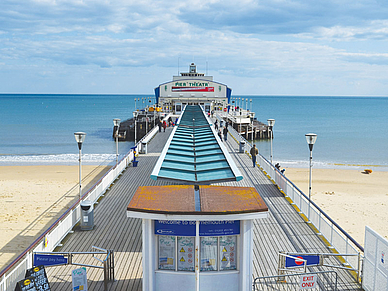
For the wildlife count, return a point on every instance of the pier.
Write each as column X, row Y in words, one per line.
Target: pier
column 284, row 230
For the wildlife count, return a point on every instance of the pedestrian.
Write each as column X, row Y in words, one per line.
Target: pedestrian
column 216, row 124
column 221, row 123
column 160, row 124
column 220, row 134
column 226, row 124
column 212, row 113
column 254, row 153
column 164, row 125
column 225, row 133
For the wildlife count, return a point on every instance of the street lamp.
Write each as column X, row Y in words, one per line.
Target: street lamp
column 79, row 138
column 135, row 117
column 311, row 138
column 271, row 123
column 116, row 123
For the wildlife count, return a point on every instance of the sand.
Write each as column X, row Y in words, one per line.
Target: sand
column 350, row 197
column 32, row 198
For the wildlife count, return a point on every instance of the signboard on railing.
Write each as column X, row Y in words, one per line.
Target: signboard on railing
column 298, row 260
column 49, row 260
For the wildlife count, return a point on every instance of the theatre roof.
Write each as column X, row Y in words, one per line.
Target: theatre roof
column 194, row 154
column 194, row 201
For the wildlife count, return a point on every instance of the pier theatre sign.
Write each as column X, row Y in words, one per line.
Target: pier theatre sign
column 192, row 87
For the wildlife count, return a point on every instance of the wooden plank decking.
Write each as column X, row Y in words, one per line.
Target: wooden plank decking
column 283, row 230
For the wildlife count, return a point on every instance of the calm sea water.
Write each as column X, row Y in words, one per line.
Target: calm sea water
column 39, row 129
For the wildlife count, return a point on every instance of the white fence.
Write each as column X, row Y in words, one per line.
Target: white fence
column 375, row 271
column 339, row 240
column 53, row 236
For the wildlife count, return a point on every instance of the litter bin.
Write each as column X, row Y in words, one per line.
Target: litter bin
column 242, row 146
column 87, row 215
column 144, row 147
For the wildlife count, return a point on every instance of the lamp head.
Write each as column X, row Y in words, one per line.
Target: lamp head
column 311, row 138
column 79, row 137
column 116, row 121
column 271, row 122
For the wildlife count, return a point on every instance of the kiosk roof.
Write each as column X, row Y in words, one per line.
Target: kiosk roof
column 186, row 200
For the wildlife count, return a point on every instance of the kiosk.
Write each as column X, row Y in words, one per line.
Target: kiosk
column 197, row 237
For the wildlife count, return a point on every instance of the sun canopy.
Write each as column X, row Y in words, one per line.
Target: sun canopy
column 194, row 154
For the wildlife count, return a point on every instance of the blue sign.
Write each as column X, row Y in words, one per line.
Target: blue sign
column 206, row 228
column 49, row 260
column 312, row 260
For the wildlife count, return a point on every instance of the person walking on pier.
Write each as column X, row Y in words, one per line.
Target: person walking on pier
column 225, row 132
column 164, row 125
column 160, row 124
column 220, row 134
column 216, row 124
column 254, row 153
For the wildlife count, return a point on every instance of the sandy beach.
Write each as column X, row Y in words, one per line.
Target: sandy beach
column 350, row 197
column 32, row 198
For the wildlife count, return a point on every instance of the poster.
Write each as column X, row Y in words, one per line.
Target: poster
column 79, row 280
column 208, row 253
column 166, row 252
column 228, row 250
column 186, row 251
column 40, row 278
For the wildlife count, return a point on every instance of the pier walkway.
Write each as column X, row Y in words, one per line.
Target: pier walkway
column 283, row 230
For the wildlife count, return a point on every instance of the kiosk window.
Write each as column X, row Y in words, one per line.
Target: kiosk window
column 167, row 252
column 186, row 251
column 228, row 249
column 209, row 253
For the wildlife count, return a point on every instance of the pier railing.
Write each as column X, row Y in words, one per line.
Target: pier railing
column 53, row 236
column 337, row 239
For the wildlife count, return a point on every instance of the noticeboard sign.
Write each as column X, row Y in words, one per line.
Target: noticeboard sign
column 312, row 260
column 79, row 279
column 36, row 279
column 49, row 260
column 206, row 228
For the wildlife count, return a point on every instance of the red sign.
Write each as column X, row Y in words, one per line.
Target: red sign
column 308, row 281
column 192, row 89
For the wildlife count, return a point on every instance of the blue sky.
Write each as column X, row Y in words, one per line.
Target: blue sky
column 289, row 47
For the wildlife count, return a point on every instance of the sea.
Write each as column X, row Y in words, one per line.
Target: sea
column 38, row 129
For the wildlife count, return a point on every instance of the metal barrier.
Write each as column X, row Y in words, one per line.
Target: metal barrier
column 326, row 281
column 339, row 240
column 107, row 262
column 53, row 236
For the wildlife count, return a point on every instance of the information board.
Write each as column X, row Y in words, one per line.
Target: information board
column 228, row 251
column 312, row 260
column 209, row 253
column 166, row 252
column 186, row 251
column 79, row 279
column 206, row 228
column 27, row 284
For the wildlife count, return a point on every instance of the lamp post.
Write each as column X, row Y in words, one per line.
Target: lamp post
column 311, row 138
column 135, row 117
column 135, row 104
column 116, row 123
column 271, row 123
column 79, row 138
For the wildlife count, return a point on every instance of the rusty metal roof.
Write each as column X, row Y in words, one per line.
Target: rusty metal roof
column 211, row 200
column 194, row 154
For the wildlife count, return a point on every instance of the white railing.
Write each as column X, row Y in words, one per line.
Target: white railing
column 53, row 236
column 339, row 240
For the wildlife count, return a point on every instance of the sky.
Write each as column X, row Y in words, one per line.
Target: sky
column 266, row 47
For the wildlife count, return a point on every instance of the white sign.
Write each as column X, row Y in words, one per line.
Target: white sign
column 308, row 282
column 80, row 282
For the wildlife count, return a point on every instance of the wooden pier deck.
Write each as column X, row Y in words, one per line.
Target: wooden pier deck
column 283, row 230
